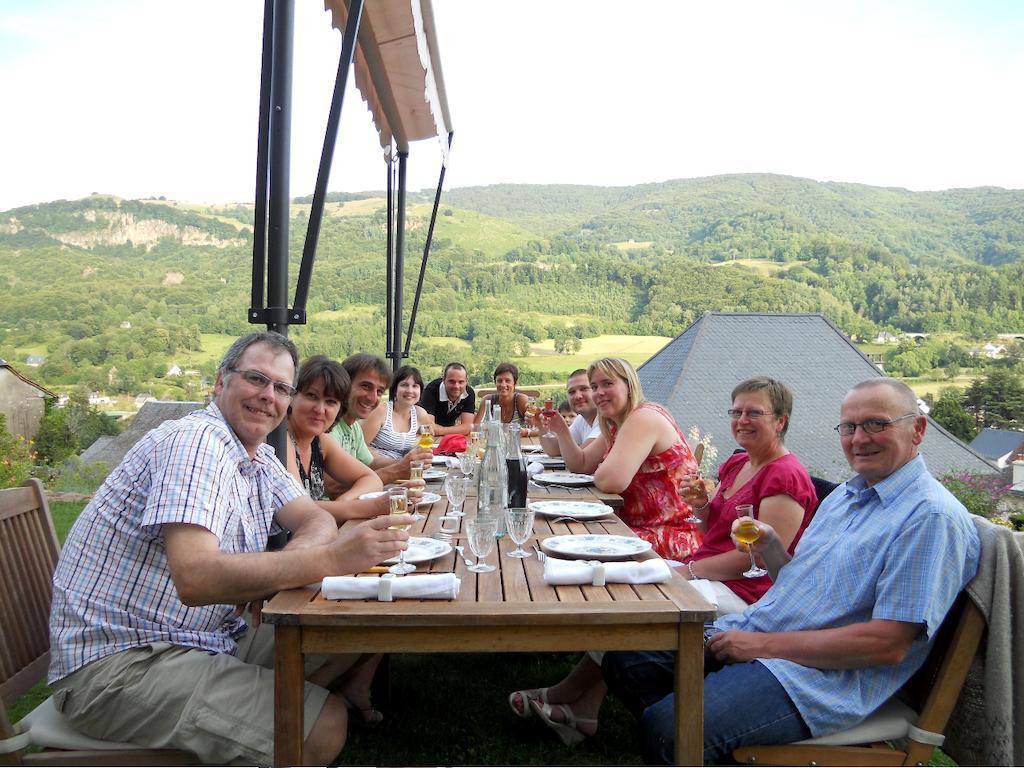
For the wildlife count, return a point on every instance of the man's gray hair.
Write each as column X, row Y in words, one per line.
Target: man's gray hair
column 272, row 339
column 905, row 394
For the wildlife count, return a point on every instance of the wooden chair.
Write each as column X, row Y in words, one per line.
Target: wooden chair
column 28, row 556
column 916, row 717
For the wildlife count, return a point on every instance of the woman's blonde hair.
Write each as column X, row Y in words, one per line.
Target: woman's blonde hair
column 617, row 368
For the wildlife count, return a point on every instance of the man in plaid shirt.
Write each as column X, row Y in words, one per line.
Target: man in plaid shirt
column 147, row 645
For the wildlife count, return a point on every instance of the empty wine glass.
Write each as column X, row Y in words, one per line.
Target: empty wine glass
column 455, row 488
column 747, row 532
column 520, row 525
column 467, row 461
column 481, row 541
column 688, row 486
column 399, row 498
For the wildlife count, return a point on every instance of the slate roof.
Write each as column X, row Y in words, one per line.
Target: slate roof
column 151, row 415
column 996, row 443
column 695, row 372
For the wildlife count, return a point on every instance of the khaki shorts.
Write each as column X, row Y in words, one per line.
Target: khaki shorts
column 217, row 706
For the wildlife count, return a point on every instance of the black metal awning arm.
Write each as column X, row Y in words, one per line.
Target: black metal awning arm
column 389, row 257
column 426, row 253
column 316, row 212
column 259, row 231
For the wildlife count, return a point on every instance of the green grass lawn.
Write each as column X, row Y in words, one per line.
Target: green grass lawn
column 635, row 349
column 924, row 387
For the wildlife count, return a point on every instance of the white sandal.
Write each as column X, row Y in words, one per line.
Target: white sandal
column 525, row 698
column 568, row 731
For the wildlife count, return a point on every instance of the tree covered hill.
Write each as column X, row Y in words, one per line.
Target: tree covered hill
column 111, row 290
column 767, row 216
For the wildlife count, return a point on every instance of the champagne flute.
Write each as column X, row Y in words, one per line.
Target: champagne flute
column 399, row 499
column 519, row 521
column 456, row 487
column 481, row 535
column 688, row 485
column 415, row 470
column 548, row 412
column 426, row 441
column 747, row 532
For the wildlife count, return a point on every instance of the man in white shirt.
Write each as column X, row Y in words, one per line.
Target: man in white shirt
column 584, row 427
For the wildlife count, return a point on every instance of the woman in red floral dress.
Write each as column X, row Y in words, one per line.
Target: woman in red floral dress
column 642, row 455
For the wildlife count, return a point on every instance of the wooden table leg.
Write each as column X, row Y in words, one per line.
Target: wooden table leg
column 689, row 710
column 288, row 695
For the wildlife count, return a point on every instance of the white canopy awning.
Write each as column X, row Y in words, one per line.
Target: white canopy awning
column 398, row 70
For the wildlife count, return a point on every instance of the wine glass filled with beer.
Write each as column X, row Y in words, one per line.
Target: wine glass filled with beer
column 747, row 533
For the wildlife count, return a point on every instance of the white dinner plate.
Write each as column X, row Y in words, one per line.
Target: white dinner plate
column 431, row 475
column 549, row 461
column 531, row 448
column 373, row 495
column 440, row 460
column 595, row 546
column 581, row 510
column 564, row 478
column 423, row 550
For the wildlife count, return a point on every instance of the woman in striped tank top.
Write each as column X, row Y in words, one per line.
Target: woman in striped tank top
column 392, row 431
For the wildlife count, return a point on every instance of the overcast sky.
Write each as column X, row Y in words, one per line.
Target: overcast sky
column 144, row 98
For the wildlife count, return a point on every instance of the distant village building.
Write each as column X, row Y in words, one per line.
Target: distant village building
column 125, row 324
column 174, row 370
column 999, row 445
column 34, row 360
column 95, row 398
column 22, row 402
column 695, row 372
column 886, row 338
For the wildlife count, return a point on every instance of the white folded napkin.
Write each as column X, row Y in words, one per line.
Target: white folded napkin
column 534, row 468
column 558, row 571
column 706, row 589
column 442, row 586
column 451, row 462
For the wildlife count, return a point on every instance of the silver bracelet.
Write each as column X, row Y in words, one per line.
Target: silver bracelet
column 689, row 567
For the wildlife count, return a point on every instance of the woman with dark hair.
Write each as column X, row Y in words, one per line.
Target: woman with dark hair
column 322, row 391
column 507, row 404
column 392, row 430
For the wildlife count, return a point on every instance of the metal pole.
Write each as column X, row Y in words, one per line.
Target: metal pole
column 316, row 211
column 426, row 254
column 259, row 231
column 280, row 157
column 403, row 158
column 390, row 255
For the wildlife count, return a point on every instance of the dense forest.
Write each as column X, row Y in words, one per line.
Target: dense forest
column 109, row 290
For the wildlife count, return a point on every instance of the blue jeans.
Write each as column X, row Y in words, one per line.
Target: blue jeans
column 743, row 704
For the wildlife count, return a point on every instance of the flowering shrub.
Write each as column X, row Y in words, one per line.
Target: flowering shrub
column 17, row 457
column 979, row 493
column 709, row 461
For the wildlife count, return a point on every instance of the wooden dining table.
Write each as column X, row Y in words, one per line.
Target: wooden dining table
column 510, row 609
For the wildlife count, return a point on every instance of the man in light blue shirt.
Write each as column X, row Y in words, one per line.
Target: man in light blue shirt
column 849, row 618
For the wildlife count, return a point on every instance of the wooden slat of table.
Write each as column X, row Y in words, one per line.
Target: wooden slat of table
column 510, row 609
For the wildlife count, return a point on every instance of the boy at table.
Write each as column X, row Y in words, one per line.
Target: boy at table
column 147, row 645
column 849, row 618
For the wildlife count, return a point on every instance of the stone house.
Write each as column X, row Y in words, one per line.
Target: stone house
column 22, row 401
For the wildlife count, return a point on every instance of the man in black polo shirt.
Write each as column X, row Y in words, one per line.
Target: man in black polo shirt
column 451, row 401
